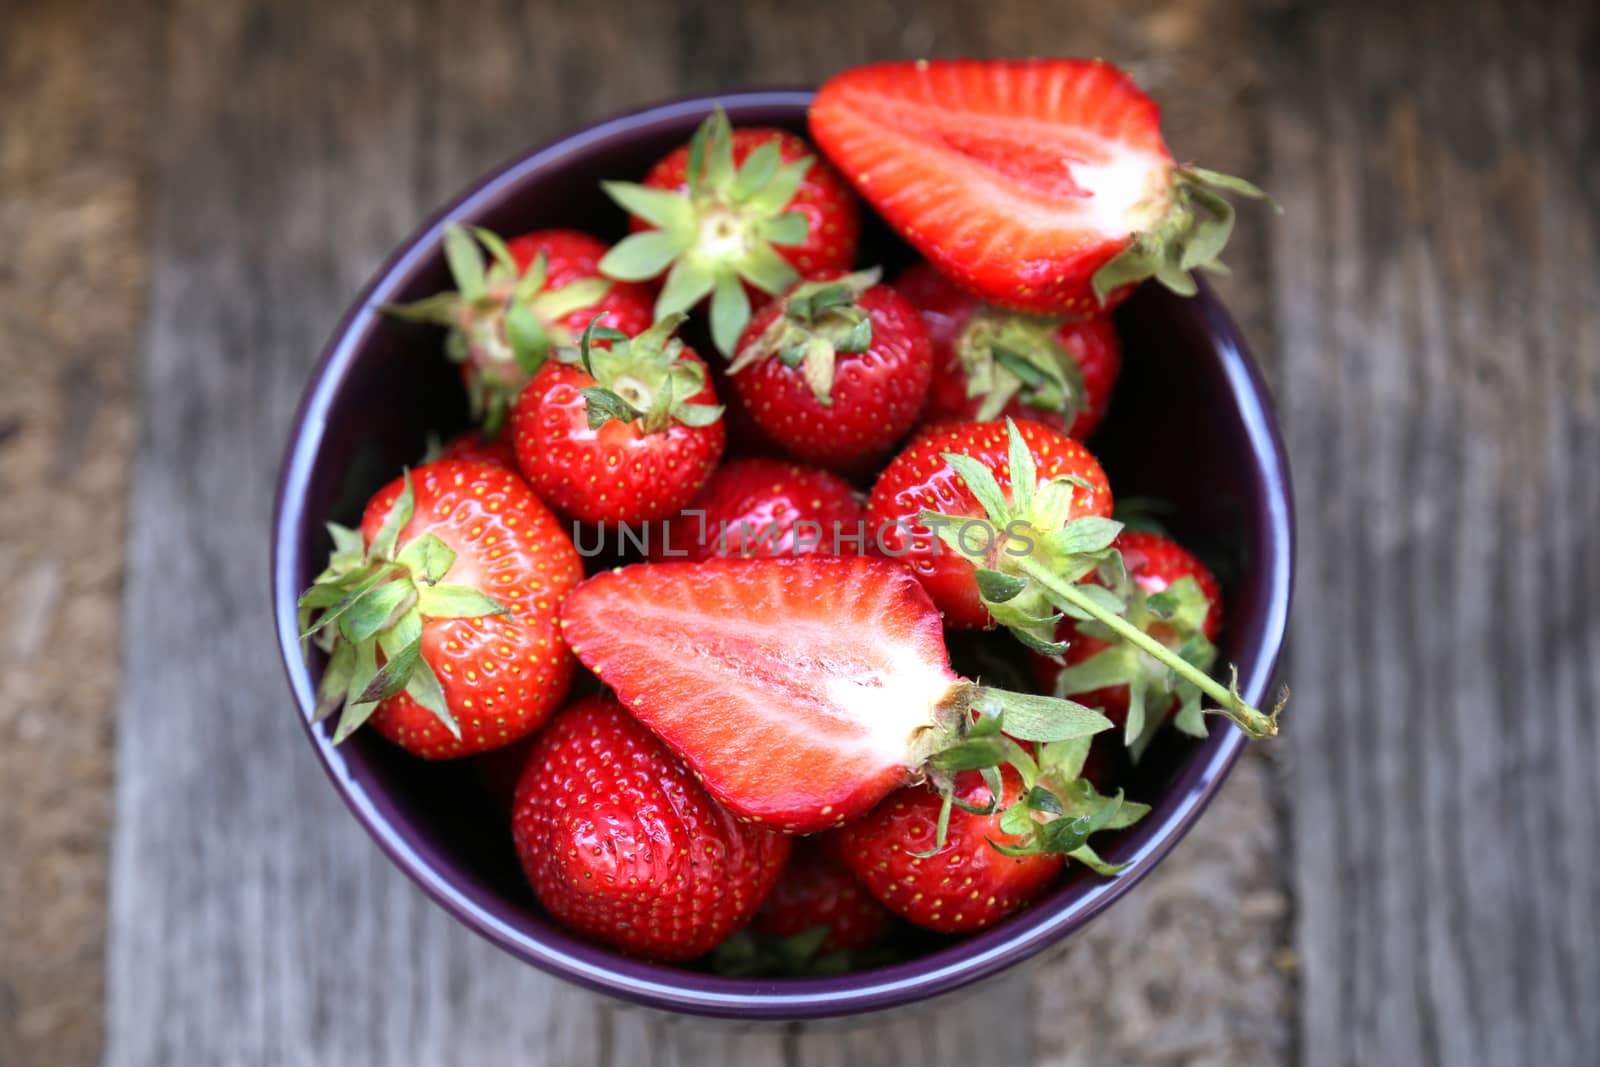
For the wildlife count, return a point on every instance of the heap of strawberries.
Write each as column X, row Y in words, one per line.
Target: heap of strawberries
column 749, row 741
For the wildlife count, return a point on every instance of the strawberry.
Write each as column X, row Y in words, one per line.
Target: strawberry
column 767, row 507
column 731, row 215
column 473, row 447
column 990, row 363
column 837, row 371
column 622, row 434
column 801, row 691
column 506, row 315
column 998, row 854
column 440, row 614
column 622, row 845
column 1029, row 550
column 1175, row 599
column 1041, row 185
column 818, row 891
column 1071, row 486
column 964, row 886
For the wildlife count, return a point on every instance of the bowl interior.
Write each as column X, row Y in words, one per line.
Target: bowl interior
column 1190, row 427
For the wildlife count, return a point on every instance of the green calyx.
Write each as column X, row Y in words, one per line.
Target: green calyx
column 1175, row 617
column 1190, row 236
column 1033, row 559
column 1008, row 356
column 722, row 231
column 644, row 380
column 1059, row 809
column 366, row 611
column 979, row 728
column 819, row 320
column 503, row 323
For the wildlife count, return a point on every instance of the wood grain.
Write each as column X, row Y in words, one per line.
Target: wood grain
column 252, row 922
column 1436, row 286
column 71, row 294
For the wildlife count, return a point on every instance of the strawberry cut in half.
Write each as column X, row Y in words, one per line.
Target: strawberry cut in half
column 737, row 215
column 1042, row 185
column 801, row 691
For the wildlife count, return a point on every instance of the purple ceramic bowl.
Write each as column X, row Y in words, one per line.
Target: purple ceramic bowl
column 1192, row 426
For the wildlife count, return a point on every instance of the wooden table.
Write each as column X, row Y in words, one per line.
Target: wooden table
column 190, row 192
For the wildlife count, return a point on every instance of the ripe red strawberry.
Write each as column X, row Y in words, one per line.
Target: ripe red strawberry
column 766, row 507
column 735, row 215
column 440, row 614
column 1071, row 485
column 837, row 371
column 801, row 691
column 506, row 315
column 622, row 845
column 1175, row 599
column 817, row 890
column 628, row 433
column 990, row 363
column 473, row 447
column 966, row 885
column 1040, row 184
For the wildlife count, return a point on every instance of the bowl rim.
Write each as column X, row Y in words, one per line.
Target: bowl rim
column 663, row 987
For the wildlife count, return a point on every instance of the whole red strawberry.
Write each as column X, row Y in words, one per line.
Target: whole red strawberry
column 507, row 314
column 731, row 215
column 622, row 845
column 1066, row 484
column 817, row 890
column 766, row 507
column 990, row 363
column 1039, row 184
column 625, row 434
column 964, row 886
column 801, row 691
column 1175, row 599
column 440, row 614
column 837, row 371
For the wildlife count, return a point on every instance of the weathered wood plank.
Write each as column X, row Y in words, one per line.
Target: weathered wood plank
column 1437, row 294
column 71, row 296
column 252, row 921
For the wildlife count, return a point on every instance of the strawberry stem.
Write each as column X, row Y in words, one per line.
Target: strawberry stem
column 1251, row 720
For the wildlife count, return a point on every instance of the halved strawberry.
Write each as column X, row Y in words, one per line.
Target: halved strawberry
column 1040, row 184
column 512, row 307
column 801, row 691
column 736, row 215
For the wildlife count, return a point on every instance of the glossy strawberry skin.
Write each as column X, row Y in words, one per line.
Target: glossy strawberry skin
column 616, row 473
column 832, row 212
column 503, row 676
column 623, row 846
column 964, row 887
column 947, row 308
column 751, row 507
column 1154, row 562
column 709, row 656
column 965, row 159
column 816, row 889
column 875, row 399
column 920, row 479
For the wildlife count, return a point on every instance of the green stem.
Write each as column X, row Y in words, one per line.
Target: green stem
column 1249, row 719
